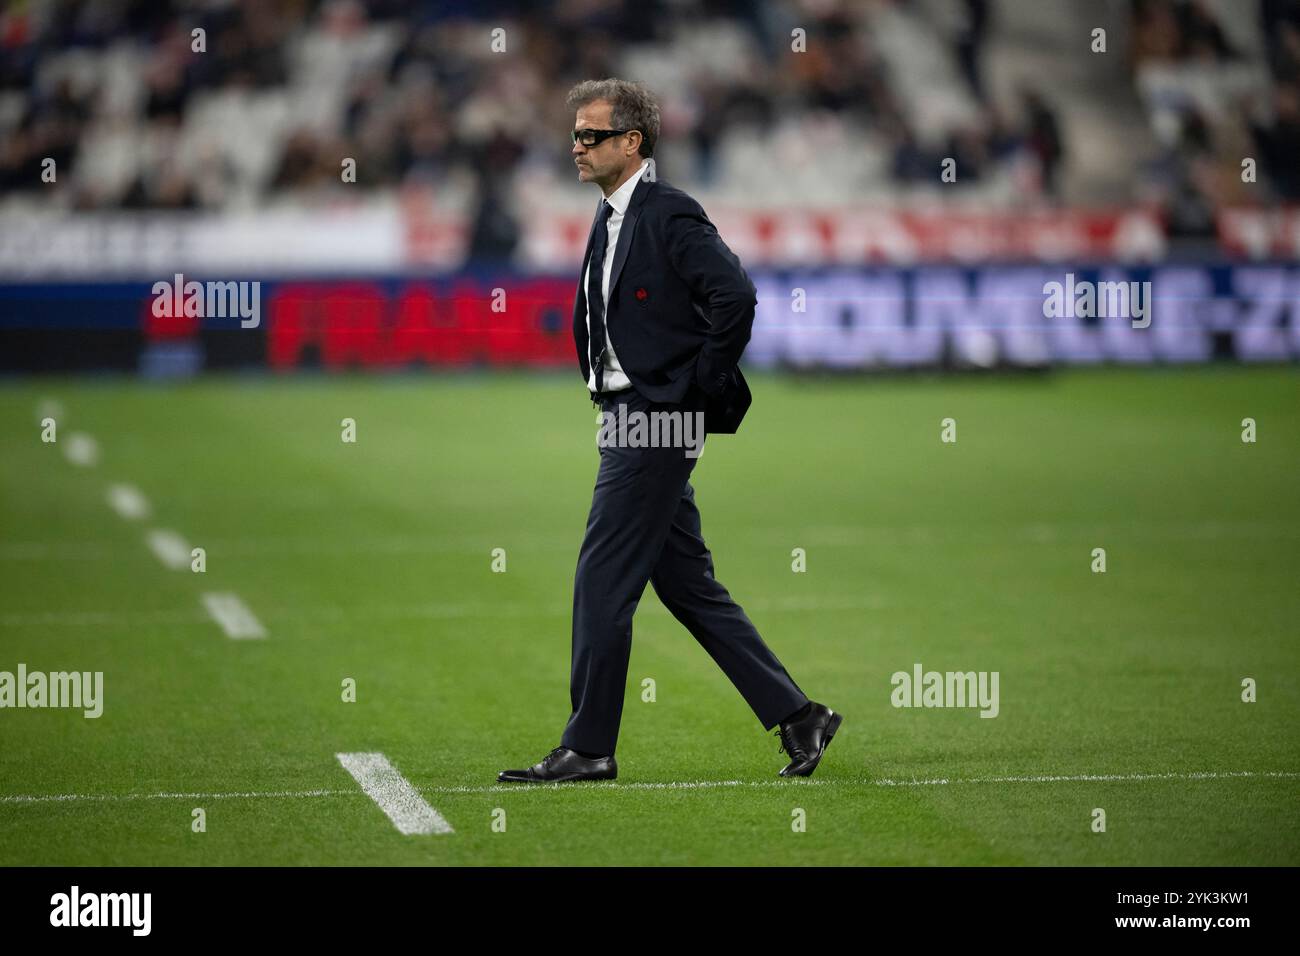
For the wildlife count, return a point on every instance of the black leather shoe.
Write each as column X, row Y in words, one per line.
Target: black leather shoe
column 806, row 739
column 562, row 765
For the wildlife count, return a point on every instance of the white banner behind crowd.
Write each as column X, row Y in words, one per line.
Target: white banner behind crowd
column 390, row 237
column 145, row 245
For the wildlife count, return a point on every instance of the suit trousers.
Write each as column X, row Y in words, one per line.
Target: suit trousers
column 644, row 526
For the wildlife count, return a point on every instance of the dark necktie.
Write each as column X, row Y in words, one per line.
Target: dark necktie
column 595, row 298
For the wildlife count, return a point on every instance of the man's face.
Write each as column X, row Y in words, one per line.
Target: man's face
column 604, row 163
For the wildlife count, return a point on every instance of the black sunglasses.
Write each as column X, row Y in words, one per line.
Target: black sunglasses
column 594, row 137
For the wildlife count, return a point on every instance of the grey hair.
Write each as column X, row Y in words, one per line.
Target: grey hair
column 632, row 106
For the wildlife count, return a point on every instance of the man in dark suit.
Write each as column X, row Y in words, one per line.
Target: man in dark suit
column 662, row 315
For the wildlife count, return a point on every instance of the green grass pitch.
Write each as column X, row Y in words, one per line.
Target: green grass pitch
column 372, row 560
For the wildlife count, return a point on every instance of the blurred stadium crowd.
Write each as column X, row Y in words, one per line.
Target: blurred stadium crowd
column 135, row 119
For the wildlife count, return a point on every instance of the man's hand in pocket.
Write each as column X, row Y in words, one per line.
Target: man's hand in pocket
column 713, row 382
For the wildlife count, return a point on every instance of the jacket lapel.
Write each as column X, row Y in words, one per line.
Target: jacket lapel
column 625, row 232
column 580, row 300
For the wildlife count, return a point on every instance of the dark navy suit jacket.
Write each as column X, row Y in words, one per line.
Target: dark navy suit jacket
column 680, row 306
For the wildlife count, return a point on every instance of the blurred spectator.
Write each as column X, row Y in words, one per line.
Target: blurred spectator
column 1043, row 137
column 1279, row 142
column 969, row 42
column 418, row 96
column 1177, row 30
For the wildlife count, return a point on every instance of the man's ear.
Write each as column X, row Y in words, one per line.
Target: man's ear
column 634, row 141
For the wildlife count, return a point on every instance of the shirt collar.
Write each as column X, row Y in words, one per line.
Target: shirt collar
column 623, row 195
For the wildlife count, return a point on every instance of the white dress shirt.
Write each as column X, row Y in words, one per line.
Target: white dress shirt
column 615, row 378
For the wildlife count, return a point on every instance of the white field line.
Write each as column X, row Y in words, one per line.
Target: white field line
column 371, row 612
column 228, row 795
column 170, row 548
column 848, row 536
column 236, row 620
column 883, row 782
column 81, row 450
column 128, row 502
column 400, row 801
column 607, row 786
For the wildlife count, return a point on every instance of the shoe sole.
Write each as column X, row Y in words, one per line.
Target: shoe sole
column 834, row 725
column 831, row 727
column 561, row 780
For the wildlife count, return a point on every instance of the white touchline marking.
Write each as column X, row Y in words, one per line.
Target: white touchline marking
column 128, row 502
column 394, row 794
column 373, row 611
column 885, row 782
column 81, row 449
column 170, row 548
column 396, row 545
column 233, row 615
column 113, row 797
column 1091, row 777
column 614, row 786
